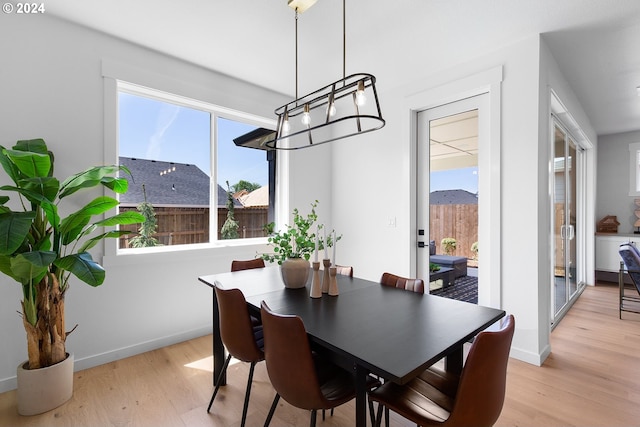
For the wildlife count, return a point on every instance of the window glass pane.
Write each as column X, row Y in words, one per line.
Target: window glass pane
column 167, row 145
column 167, row 148
column 244, row 172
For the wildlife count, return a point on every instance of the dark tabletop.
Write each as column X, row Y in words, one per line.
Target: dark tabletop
column 391, row 332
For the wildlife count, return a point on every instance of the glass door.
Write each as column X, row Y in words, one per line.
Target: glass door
column 567, row 275
column 449, row 179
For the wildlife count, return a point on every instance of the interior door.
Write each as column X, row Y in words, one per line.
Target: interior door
column 460, row 150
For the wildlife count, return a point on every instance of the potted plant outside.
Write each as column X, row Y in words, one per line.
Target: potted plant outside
column 449, row 245
column 40, row 250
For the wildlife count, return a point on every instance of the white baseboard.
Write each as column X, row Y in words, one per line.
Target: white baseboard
column 8, row 384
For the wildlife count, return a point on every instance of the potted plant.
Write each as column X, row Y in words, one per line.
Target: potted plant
column 40, row 250
column 474, row 250
column 292, row 247
column 449, row 245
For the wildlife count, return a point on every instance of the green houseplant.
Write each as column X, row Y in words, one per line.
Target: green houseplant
column 297, row 241
column 293, row 247
column 40, row 249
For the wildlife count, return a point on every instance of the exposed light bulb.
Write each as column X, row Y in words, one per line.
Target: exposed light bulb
column 332, row 109
column 286, row 127
column 306, row 117
column 361, row 99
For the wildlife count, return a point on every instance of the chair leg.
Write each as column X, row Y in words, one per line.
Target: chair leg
column 247, row 393
column 323, row 413
column 372, row 413
column 215, row 391
column 378, row 416
column 312, row 423
column 274, row 405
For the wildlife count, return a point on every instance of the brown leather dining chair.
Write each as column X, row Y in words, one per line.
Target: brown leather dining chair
column 237, row 265
column 437, row 398
column 414, row 285
column 242, row 340
column 298, row 375
column 345, row 270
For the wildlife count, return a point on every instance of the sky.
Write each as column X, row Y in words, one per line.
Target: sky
column 454, row 179
column 157, row 130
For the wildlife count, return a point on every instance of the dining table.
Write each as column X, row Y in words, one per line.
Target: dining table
column 367, row 328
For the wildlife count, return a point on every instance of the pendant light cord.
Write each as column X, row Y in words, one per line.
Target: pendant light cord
column 296, row 53
column 344, row 40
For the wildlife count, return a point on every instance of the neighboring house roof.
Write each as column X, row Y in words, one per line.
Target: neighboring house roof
column 258, row 198
column 453, row 197
column 168, row 183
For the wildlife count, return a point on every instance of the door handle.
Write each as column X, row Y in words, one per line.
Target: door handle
column 421, row 244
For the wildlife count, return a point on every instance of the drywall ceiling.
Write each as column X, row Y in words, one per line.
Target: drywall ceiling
column 594, row 41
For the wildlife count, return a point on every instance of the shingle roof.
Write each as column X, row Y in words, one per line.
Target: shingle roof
column 167, row 183
column 453, row 197
column 257, row 198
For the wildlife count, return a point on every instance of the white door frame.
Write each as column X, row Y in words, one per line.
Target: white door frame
column 489, row 214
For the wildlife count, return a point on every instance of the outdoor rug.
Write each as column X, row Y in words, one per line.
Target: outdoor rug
column 464, row 288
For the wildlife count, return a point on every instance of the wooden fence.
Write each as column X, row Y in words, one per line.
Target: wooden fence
column 457, row 221
column 181, row 226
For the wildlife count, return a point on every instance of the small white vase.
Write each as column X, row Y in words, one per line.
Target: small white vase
column 43, row 389
column 295, row 272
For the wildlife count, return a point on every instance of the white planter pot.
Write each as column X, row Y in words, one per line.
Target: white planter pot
column 41, row 390
column 295, row 272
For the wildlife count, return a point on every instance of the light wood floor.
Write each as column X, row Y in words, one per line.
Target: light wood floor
column 591, row 378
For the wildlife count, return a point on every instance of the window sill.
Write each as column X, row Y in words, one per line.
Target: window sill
column 171, row 254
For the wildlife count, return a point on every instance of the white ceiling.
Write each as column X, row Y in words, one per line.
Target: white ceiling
column 594, row 41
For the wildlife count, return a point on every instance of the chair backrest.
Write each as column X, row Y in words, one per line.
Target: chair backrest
column 289, row 360
column 631, row 257
column 344, row 270
column 236, row 331
column 237, row 265
column 414, row 285
column 481, row 392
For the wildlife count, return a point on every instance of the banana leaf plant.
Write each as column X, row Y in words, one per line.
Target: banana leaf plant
column 40, row 250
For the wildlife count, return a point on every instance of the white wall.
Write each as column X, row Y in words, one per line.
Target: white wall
column 388, row 191
column 51, row 86
column 613, row 179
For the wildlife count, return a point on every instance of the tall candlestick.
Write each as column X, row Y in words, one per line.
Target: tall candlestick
column 334, row 248
column 324, row 230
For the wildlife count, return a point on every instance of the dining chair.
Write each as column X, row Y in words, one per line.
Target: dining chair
column 437, row 398
column 344, row 270
column 630, row 266
column 242, row 340
column 414, row 285
column 300, row 376
column 237, row 265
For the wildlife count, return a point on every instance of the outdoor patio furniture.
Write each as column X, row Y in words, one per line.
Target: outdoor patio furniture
column 458, row 263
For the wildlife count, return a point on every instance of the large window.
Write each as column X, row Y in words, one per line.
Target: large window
column 187, row 175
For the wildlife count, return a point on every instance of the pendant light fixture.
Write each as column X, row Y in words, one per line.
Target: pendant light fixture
column 344, row 108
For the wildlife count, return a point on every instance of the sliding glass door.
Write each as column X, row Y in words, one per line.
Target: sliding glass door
column 568, row 170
